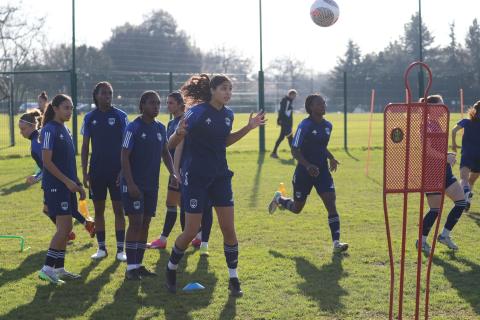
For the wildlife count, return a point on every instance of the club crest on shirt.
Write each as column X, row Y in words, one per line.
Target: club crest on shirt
column 94, row 122
column 111, row 121
column 208, row 121
column 61, row 136
column 327, row 131
column 64, row 206
column 159, row 136
column 193, row 203
column 144, row 135
column 228, row 122
column 136, row 205
column 314, row 132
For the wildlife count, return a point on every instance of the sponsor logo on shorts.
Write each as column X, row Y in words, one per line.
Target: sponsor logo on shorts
column 193, row 203
column 111, row 121
column 136, row 205
column 53, row 190
column 314, row 132
column 64, row 206
column 298, row 194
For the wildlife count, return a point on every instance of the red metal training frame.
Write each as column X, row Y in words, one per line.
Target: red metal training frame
column 407, row 148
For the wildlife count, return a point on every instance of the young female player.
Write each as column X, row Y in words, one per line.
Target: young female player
column 104, row 127
column 144, row 145
column 60, row 183
column 453, row 191
column 309, row 147
column 206, row 129
column 29, row 124
column 470, row 162
column 176, row 107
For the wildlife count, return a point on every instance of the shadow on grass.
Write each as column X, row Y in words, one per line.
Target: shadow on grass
column 151, row 294
column 13, row 181
column 15, row 188
column 465, row 282
column 321, row 284
column 31, row 264
column 71, row 299
column 256, row 181
column 475, row 216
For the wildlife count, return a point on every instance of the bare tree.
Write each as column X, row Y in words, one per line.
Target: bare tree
column 17, row 40
column 287, row 69
column 226, row 60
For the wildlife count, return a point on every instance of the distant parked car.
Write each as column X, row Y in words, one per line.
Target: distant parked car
column 24, row 107
column 84, row 107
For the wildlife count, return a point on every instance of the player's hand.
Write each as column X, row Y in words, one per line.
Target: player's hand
column 30, row 180
column 174, row 181
column 72, row 186
column 181, row 128
column 257, row 120
column 133, row 191
column 333, row 164
column 86, row 180
column 82, row 192
column 451, row 158
column 313, row 170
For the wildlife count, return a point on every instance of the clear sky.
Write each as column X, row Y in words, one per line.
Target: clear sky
column 288, row 29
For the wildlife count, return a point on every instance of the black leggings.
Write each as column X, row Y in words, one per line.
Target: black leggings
column 285, row 132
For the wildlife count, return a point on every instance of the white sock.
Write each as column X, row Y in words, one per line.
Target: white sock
column 163, row 238
column 199, row 235
column 172, row 266
column 233, row 273
column 204, row 245
column 445, row 233
column 424, row 239
column 131, row 267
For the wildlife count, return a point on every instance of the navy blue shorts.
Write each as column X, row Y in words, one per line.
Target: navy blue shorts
column 473, row 163
column 449, row 179
column 197, row 191
column 99, row 186
column 303, row 183
column 147, row 204
column 60, row 201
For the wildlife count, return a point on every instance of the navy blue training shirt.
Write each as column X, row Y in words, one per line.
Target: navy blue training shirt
column 206, row 141
column 171, row 127
column 146, row 143
column 312, row 139
column 471, row 137
column 56, row 137
column 106, row 132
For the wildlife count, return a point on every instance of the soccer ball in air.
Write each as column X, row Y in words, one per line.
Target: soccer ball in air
column 324, row 12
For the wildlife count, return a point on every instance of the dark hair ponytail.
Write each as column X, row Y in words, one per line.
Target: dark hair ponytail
column 33, row 117
column 197, row 89
column 474, row 111
column 50, row 112
column 97, row 88
column 309, row 101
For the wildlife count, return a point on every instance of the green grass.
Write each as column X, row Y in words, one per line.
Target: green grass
column 286, row 265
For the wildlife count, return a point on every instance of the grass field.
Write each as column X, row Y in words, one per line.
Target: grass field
column 286, row 265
